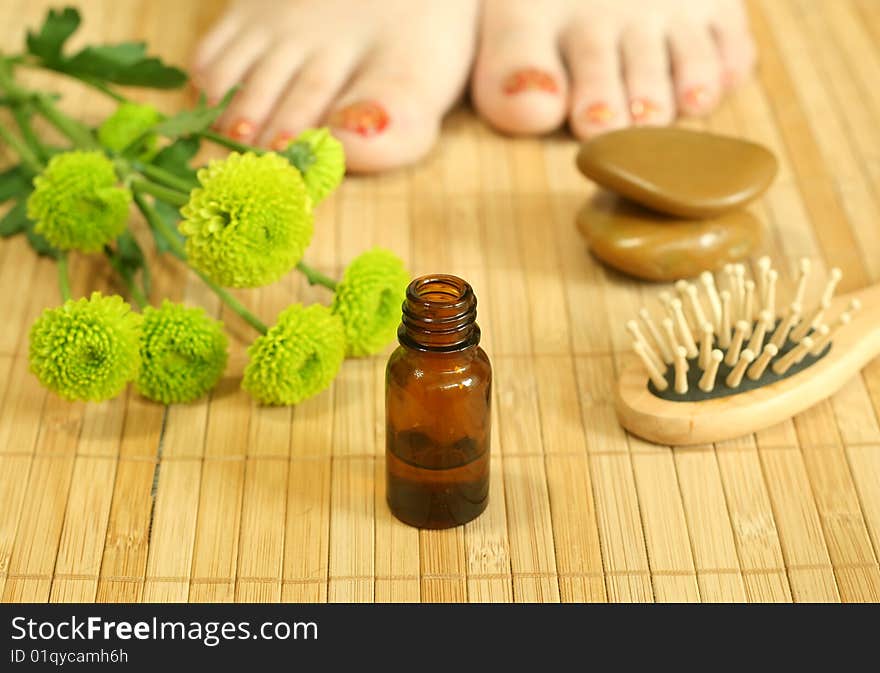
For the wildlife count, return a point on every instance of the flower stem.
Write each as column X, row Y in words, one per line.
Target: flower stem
column 22, row 118
column 64, row 277
column 213, row 136
column 164, row 177
column 139, row 297
column 172, row 196
column 28, row 158
column 234, row 304
column 136, row 294
column 100, row 86
column 77, row 133
column 158, row 223
column 228, row 143
column 16, row 93
column 315, row 277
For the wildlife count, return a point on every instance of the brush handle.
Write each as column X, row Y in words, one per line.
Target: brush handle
column 687, row 423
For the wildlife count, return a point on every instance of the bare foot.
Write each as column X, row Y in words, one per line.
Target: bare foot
column 605, row 64
column 381, row 73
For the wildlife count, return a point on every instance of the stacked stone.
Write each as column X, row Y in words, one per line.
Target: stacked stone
column 672, row 202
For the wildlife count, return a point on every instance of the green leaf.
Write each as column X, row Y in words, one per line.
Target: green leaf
column 176, row 157
column 301, row 155
column 126, row 63
column 196, row 120
column 14, row 182
column 129, row 250
column 130, row 260
column 49, row 41
column 15, row 220
column 171, row 216
column 39, row 244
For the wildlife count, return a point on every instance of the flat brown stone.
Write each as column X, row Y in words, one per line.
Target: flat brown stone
column 678, row 171
column 649, row 245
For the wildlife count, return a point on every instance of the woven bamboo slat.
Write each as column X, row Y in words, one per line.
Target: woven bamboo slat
column 223, row 500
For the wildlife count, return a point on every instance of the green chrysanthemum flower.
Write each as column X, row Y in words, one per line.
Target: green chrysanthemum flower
column 76, row 204
column 368, row 299
column 298, row 358
column 128, row 123
column 183, row 353
column 250, row 222
column 325, row 164
column 86, row 349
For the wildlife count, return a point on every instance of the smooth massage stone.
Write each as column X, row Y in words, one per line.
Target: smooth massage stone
column 649, row 245
column 678, row 171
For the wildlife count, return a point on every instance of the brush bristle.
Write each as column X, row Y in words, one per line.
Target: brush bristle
column 736, row 318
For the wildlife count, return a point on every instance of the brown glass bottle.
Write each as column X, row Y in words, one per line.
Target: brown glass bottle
column 438, row 388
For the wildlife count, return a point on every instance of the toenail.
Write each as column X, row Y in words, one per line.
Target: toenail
column 243, row 128
column 643, row 109
column 530, row 79
column 281, row 141
column 599, row 114
column 697, row 98
column 365, row 118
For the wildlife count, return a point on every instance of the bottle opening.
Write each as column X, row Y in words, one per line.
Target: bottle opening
column 439, row 314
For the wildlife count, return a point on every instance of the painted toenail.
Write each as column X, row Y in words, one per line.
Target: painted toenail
column 643, row 109
column 530, row 79
column 697, row 98
column 365, row 118
column 241, row 129
column 281, row 141
column 599, row 114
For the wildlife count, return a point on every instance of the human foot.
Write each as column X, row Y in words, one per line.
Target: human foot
column 381, row 73
column 605, row 64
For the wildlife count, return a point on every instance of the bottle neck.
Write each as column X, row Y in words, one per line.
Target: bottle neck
column 439, row 315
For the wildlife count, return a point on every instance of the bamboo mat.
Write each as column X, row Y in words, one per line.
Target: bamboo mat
column 226, row 501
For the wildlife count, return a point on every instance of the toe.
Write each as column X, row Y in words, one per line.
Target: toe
column 519, row 84
column 307, row 98
column 390, row 113
column 696, row 68
column 382, row 124
column 214, row 40
column 736, row 48
column 646, row 73
column 233, row 63
column 598, row 100
column 260, row 91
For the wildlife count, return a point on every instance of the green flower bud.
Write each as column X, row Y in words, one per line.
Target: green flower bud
column 368, row 299
column 183, row 353
column 76, row 204
column 250, row 221
column 297, row 358
column 326, row 162
column 86, row 349
column 127, row 124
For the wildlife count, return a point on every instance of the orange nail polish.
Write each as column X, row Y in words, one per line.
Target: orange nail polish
column 642, row 109
column 281, row 141
column 530, row 79
column 243, row 128
column 599, row 114
column 697, row 98
column 365, row 118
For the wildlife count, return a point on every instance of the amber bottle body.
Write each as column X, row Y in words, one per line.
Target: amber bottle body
column 438, row 408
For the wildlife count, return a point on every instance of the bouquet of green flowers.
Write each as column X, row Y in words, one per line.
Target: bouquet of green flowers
column 239, row 222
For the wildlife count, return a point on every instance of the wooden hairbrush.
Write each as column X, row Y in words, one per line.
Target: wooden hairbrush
column 721, row 364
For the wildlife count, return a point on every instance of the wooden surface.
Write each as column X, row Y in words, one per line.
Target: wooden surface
column 223, row 501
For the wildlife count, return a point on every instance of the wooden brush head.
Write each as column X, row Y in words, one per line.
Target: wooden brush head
column 718, row 362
